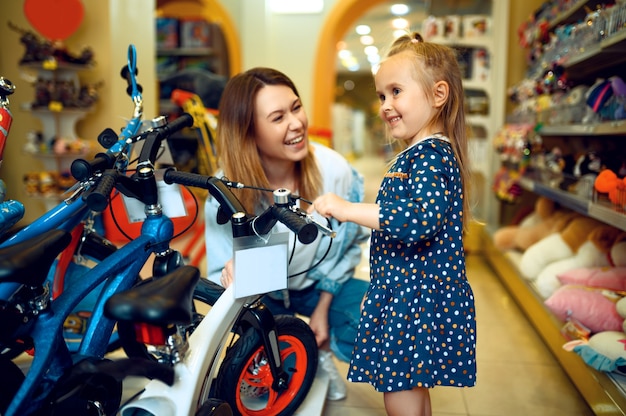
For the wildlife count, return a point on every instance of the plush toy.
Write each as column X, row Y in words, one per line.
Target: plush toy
column 607, row 182
column 605, row 351
column 546, row 218
column 556, row 246
column 593, row 252
column 592, row 307
column 611, row 277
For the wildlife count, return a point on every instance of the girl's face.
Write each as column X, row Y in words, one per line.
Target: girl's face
column 281, row 125
column 404, row 105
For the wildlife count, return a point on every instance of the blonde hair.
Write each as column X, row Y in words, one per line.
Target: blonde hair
column 238, row 154
column 434, row 63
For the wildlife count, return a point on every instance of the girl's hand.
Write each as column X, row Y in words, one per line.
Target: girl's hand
column 331, row 205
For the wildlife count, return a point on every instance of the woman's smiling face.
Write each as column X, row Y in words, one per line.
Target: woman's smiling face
column 280, row 124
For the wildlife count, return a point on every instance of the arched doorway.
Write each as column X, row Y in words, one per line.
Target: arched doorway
column 342, row 16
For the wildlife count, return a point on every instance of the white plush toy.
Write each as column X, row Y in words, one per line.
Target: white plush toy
column 557, row 246
column 594, row 252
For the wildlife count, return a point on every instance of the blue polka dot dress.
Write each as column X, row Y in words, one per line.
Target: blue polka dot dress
column 418, row 327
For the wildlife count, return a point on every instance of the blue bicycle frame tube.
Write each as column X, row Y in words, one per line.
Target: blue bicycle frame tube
column 53, row 358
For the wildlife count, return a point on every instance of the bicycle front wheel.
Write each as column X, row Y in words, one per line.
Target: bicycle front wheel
column 245, row 379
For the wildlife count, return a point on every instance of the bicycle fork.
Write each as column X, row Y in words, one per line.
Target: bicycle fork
column 259, row 317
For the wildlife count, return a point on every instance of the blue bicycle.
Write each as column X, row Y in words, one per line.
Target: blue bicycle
column 62, row 382
column 73, row 215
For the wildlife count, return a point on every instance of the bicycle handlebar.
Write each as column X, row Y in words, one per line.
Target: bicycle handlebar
column 142, row 184
column 283, row 209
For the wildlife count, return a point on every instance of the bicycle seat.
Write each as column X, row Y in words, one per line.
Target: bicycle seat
column 157, row 301
column 29, row 262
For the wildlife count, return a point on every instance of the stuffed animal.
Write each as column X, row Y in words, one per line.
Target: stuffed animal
column 557, row 246
column 594, row 308
column 547, row 218
column 605, row 351
column 607, row 182
column 593, row 252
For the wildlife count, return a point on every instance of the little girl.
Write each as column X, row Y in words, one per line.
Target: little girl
column 417, row 328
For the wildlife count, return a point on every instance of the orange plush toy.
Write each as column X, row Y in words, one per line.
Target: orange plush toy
column 607, row 182
column 547, row 218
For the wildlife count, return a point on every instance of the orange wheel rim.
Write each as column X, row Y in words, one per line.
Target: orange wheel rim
column 257, row 379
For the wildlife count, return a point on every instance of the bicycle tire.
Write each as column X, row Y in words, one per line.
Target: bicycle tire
column 10, row 382
column 244, row 379
column 214, row 407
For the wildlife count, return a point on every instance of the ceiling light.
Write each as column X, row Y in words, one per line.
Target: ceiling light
column 398, row 33
column 344, row 54
column 363, row 29
column 296, row 6
column 367, row 40
column 399, row 9
column 400, row 23
column 371, row 50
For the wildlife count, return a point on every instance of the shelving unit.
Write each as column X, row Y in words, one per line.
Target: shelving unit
column 58, row 113
column 489, row 82
column 181, row 52
column 604, row 392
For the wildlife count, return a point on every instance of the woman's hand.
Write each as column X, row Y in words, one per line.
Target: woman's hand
column 226, row 279
column 318, row 321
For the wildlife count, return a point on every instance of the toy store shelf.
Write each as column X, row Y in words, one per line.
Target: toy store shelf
column 608, row 53
column 597, row 129
column 598, row 210
column 603, row 392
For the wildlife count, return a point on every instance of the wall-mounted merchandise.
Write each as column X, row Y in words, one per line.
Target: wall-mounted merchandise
column 471, row 29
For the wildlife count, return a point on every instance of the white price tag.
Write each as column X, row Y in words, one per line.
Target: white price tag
column 260, row 265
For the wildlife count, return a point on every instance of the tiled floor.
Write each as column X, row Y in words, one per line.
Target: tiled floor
column 517, row 374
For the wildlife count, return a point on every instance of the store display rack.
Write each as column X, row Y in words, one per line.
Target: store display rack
column 604, row 392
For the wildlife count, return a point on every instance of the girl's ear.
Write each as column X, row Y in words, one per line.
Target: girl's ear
column 441, row 92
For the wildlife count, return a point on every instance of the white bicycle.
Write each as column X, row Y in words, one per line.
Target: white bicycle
column 239, row 358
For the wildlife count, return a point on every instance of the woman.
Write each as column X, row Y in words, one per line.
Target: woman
column 263, row 142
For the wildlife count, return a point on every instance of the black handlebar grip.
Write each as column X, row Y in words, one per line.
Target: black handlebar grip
column 306, row 232
column 98, row 199
column 107, row 138
column 185, row 120
column 82, row 169
column 171, row 176
column 218, row 190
